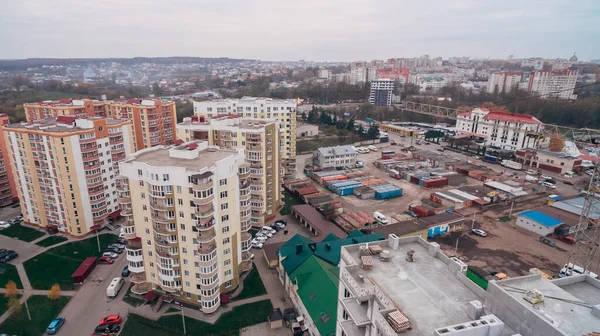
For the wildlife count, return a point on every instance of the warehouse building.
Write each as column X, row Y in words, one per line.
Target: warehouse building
column 537, row 222
column 315, row 222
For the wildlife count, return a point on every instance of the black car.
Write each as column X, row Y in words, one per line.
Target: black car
column 4, row 253
column 282, row 221
column 10, row 256
column 122, row 241
column 2, row 250
column 276, row 227
column 107, row 328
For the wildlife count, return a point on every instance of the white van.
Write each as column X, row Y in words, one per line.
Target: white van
column 114, row 287
column 380, row 217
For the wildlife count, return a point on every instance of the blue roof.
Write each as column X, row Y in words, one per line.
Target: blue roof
column 541, row 218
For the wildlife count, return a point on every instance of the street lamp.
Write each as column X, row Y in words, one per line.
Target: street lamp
column 456, row 247
column 182, row 319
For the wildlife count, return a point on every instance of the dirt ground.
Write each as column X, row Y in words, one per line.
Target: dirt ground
column 507, row 248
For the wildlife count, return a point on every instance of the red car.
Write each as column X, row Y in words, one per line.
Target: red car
column 111, row 319
column 106, row 260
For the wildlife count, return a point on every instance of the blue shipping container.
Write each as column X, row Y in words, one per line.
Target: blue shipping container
column 388, row 194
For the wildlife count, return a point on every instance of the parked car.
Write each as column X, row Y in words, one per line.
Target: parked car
column 9, row 256
column 111, row 319
column 110, row 255
column 365, row 150
column 107, row 328
column 55, row 325
column 120, row 246
column 548, row 185
column 373, row 148
column 410, row 213
column 266, row 234
column 441, row 149
column 546, row 177
column 114, row 250
column 479, row 232
column 276, row 227
column 359, row 164
column 360, row 151
column 569, row 182
column 122, row 241
column 2, row 250
column 4, row 225
column 3, row 253
column 475, row 157
column 106, row 260
column 125, row 272
column 531, row 172
column 281, row 221
column 19, row 218
column 393, row 143
column 13, row 222
column 257, row 245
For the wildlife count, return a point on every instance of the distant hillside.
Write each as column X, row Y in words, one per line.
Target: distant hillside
column 37, row 62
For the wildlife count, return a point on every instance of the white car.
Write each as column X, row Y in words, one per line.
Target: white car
column 4, row 225
column 479, row 232
column 373, row 148
column 268, row 228
column 264, row 234
column 531, row 172
column 260, row 239
column 549, row 185
column 360, row 151
column 545, row 177
column 359, row 164
column 110, row 255
column 258, row 245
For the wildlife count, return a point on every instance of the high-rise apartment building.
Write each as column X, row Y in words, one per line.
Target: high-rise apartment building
column 153, row 119
column 553, row 84
column 382, row 91
column 65, row 170
column 8, row 192
column 260, row 140
column 187, row 210
column 283, row 111
column 358, row 72
column 504, row 81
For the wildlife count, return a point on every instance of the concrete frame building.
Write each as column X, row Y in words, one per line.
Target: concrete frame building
column 8, row 191
column 504, row 81
column 188, row 210
column 382, row 91
column 281, row 110
column 333, row 157
column 502, row 129
column 554, row 84
column 153, row 119
column 259, row 139
column 65, row 170
column 358, row 73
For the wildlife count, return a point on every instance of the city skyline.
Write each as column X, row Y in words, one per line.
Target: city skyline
column 332, row 30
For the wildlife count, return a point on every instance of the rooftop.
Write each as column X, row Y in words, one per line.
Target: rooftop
column 541, row 218
column 575, row 205
column 317, row 221
column 566, row 307
column 64, row 124
column 192, row 155
column 426, row 291
column 567, row 218
column 337, row 150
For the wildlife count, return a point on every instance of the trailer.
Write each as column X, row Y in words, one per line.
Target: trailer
column 490, row 159
column 512, row 164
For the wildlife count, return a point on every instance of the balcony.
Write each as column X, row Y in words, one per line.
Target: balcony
column 361, row 288
column 116, row 140
column 89, row 148
column 141, row 288
column 206, row 247
column 204, row 212
column 163, row 252
column 206, row 236
column 203, row 224
column 205, row 200
column 161, row 204
column 245, row 217
column 125, row 199
column 138, row 278
column 257, row 207
column 351, row 329
column 167, row 287
column 202, row 184
column 245, row 206
column 246, row 256
column 257, row 219
column 162, row 228
column 126, row 211
column 116, row 157
column 90, row 157
column 161, row 217
column 245, row 196
column 87, row 141
column 256, row 173
column 246, row 225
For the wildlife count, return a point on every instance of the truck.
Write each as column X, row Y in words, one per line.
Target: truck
column 490, row 159
column 512, row 164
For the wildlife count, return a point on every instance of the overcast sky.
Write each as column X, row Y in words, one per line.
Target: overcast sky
column 340, row 30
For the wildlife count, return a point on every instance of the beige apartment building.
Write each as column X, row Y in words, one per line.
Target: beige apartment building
column 187, row 210
column 282, row 110
column 259, row 139
column 153, row 119
column 65, row 170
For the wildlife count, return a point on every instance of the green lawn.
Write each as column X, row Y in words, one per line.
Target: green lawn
column 253, row 286
column 289, row 201
column 42, row 310
column 132, row 300
column 10, row 273
column 22, row 232
column 4, row 303
column 52, row 240
column 228, row 324
column 58, row 264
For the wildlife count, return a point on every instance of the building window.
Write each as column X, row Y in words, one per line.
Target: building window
column 182, row 226
column 227, row 262
column 184, row 251
column 228, row 283
column 165, row 177
column 225, row 229
column 228, row 273
column 178, row 188
column 223, row 182
column 226, row 251
column 223, row 194
column 224, row 206
column 226, row 240
column 224, row 218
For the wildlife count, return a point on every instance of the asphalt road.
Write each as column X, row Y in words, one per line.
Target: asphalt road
column 91, row 304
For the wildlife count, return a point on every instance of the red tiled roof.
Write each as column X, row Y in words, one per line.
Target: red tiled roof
column 178, row 142
column 513, row 117
column 66, row 119
column 193, row 145
column 589, row 158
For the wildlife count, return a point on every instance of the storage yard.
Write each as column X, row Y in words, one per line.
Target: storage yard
column 406, row 186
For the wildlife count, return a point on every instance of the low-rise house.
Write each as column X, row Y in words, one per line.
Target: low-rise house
column 334, row 157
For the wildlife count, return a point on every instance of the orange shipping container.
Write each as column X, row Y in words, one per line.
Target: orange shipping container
column 476, row 173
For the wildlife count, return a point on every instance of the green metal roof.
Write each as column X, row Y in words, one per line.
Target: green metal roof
column 355, row 233
column 318, row 288
column 290, row 246
column 331, row 251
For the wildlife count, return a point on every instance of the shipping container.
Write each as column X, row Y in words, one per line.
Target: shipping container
column 84, row 270
column 420, row 211
column 435, row 183
column 391, row 193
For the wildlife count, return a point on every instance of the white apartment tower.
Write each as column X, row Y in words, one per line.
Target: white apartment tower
column 281, row 110
column 553, row 84
column 504, row 81
column 187, row 210
column 382, row 91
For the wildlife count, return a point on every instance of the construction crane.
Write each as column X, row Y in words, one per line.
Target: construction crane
column 587, row 238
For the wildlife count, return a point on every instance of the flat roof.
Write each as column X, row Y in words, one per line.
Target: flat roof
column 425, row 290
column 567, row 218
column 160, row 156
column 565, row 301
column 575, row 205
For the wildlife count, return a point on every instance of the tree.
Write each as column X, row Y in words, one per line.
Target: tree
column 304, row 116
column 342, row 136
column 373, row 132
column 14, row 306
column 54, row 292
column 11, row 289
column 157, row 90
column 350, row 126
column 361, row 131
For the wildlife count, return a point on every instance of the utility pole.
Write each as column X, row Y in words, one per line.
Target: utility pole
column 183, row 319
column 473, row 222
column 511, row 209
column 27, row 308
